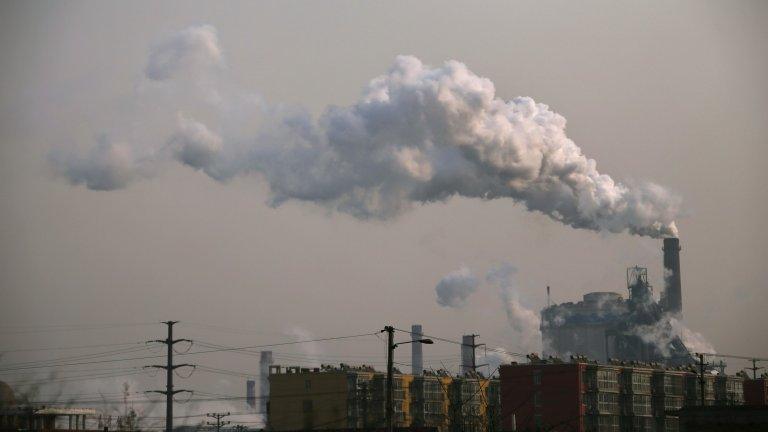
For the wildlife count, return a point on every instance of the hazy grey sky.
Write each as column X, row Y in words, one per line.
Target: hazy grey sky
column 669, row 92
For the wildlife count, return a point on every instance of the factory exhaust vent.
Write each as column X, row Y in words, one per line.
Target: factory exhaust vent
column 417, row 358
column 673, row 296
column 467, row 354
column 264, row 364
column 250, row 393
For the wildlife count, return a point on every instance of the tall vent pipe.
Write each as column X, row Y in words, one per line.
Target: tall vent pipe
column 417, row 359
column 467, row 354
column 673, row 296
column 264, row 363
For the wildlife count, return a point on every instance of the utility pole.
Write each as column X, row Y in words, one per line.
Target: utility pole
column 702, row 381
column 754, row 369
column 391, row 345
column 390, row 379
column 218, row 417
column 169, row 392
column 721, row 367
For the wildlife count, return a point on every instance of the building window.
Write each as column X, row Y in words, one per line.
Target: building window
column 537, row 399
column 306, row 406
column 537, row 377
column 307, row 384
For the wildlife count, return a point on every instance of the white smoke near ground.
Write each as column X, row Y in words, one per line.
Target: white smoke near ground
column 524, row 321
column 309, row 352
column 454, row 289
column 663, row 333
column 693, row 340
column 417, row 135
column 495, row 359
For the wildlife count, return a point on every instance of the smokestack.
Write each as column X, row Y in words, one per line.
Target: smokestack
column 264, row 363
column 417, row 359
column 467, row 353
column 250, row 393
column 673, row 296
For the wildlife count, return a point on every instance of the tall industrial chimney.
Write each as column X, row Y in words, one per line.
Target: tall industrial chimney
column 250, row 393
column 264, row 363
column 417, row 359
column 673, row 296
column 467, row 353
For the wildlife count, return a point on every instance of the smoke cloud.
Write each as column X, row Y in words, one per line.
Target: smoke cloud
column 495, row 359
column 524, row 321
column 107, row 166
column 310, row 350
column 187, row 52
column 665, row 331
column 454, row 289
column 417, row 135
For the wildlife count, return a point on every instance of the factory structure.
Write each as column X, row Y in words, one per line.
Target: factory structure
column 610, row 364
column 259, row 403
column 605, row 325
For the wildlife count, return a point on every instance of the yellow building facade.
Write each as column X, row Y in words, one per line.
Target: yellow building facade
column 355, row 397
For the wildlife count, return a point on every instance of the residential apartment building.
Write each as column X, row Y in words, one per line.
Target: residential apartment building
column 347, row 397
column 581, row 395
column 756, row 392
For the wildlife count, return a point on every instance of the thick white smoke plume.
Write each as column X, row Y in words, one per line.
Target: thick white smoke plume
column 193, row 50
column 663, row 333
column 524, row 321
column 418, row 134
column 108, row 165
column 454, row 289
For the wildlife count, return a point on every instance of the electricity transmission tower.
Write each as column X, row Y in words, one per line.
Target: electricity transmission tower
column 755, row 368
column 169, row 367
column 218, row 417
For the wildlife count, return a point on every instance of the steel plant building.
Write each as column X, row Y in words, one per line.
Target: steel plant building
column 605, row 325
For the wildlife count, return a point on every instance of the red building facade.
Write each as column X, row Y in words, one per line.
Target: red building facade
column 756, row 392
column 585, row 396
column 543, row 396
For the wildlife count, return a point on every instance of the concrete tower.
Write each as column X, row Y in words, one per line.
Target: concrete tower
column 250, row 393
column 264, row 363
column 673, row 296
column 417, row 359
column 467, row 353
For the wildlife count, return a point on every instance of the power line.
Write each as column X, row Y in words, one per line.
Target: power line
column 499, row 350
column 225, row 349
column 6, row 351
column 740, row 357
column 53, row 362
column 68, row 327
